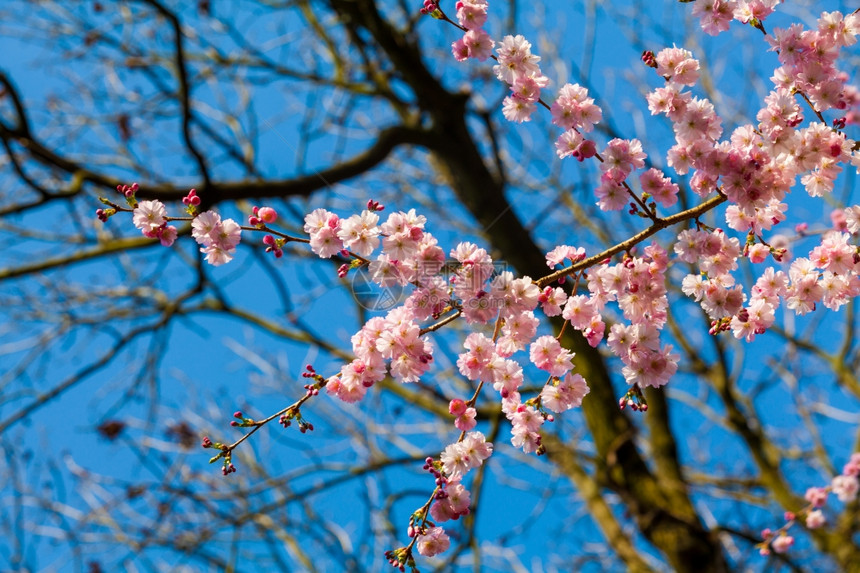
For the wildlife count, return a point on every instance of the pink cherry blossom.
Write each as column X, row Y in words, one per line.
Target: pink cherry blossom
column 815, row 519
column 267, row 215
column 715, row 15
column 817, row 496
column 659, row 187
column 433, row 542
column 624, row 155
column 515, row 59
column 454, row 505
column 167, row 235
column 558, row 255
column 547, row 354
column 678, row 65
column 360, row 233
column 508, row 379
column 551, row 300
column 845, row 487
column 472, row 14
column 517, row 110
column 481, row 351
column 478, row 44
column 149, row 215
column 573, row 109
column 565, row 394
column 782, row 543
column 459, row 458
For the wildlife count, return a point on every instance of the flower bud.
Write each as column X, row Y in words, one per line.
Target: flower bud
column 267, row 214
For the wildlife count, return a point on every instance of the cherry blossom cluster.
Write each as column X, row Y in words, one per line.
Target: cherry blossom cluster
column 390, row 344
column 393, row 344
column 829, row 275
column 464, row 414
column 518, row 67
column 755, row 170
column 808, row 58
column 716, row 15
column 151, row 218
column 450, row 499
column 218, row 237
column 476, row 42
column 472, row 288
column 845, row 486
column 620, row 158
column 331, row 235
column 465, row 455
column 758, row 166
column 638, row 284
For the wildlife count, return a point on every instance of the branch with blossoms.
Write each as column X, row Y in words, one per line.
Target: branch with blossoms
column 218, row 237
column 753, row 171
column 845, row 486
column 754, row 188
column 285, row 417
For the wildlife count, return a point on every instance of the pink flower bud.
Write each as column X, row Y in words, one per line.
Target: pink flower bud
column 267, row 214
column 757, row 253
column 649, row 59
column 782, row 543
column 587, row 149
column 457, row 407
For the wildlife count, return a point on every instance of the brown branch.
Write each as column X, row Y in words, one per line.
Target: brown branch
column 88, row 370
column 675, row 530
column 628, row 244
column 184, row 89
column 23, row 127
column 114, row 246
column 565, row 457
